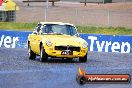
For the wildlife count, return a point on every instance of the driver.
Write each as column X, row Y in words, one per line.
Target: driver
column 47, row 29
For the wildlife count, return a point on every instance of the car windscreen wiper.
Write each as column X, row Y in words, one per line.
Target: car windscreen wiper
column 53, row 33
column 56, row 33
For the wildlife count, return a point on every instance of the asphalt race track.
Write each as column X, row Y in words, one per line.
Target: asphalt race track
column 16, row 71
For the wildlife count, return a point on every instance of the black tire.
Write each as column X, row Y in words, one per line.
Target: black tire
column 43, row 55
column 83, row 59
column 31, row 54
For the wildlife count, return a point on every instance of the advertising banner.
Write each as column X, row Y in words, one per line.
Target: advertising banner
column 13, row 39
column 108, row 43
column 96, row 42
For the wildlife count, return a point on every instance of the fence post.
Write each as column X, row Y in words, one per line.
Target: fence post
column 124, row 1
column 103, row 2
column 47, row 3
column 28, row 3
column 85, row 3
column 46, row 9
column 45, row 14
column 108, row 20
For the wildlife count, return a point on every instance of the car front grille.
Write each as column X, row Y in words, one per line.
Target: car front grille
column 72, row 48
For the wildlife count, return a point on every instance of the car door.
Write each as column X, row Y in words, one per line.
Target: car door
column 38, row 39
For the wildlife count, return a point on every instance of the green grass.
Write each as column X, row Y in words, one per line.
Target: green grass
column 81, row 29
column 105, row 30
column 17, row 26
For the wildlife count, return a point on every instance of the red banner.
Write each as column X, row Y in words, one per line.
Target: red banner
column 0, row 2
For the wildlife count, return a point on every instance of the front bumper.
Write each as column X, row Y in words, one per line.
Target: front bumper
column 57, row 53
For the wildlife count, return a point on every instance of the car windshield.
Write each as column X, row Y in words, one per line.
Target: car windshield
column 59, row 29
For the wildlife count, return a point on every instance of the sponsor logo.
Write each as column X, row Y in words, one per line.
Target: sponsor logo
column 106, row 46
column 83, row 78
column 8, row 41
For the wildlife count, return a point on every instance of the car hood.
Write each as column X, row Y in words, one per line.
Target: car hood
column 64, row 40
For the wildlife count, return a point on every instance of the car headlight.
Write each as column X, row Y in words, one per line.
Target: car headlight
column 48, row 43
column 85, row 45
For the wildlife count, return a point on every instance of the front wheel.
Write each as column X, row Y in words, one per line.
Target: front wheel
column 43, row 55
column 31, row 54
column 83, row 59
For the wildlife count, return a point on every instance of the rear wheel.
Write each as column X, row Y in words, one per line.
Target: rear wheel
column 83, row 59
column 31, row 54
column 43, row 55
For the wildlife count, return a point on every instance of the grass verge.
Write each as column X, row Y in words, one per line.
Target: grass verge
column 81, row 29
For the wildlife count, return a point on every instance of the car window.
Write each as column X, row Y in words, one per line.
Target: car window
column 59, row 29
column 47, row 29
column 56, row 28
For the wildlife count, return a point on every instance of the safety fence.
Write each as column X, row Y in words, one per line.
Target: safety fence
column 98, row 17
column 77, row 16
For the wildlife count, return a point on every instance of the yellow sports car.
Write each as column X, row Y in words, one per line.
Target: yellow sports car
column 56, row 39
